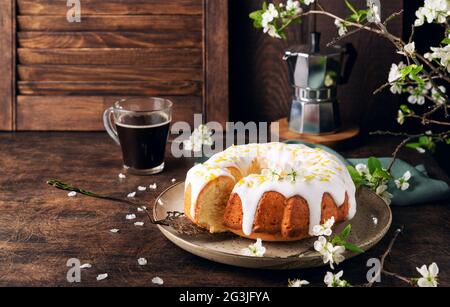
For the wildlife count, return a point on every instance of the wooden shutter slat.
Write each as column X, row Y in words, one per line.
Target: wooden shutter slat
column 63, row 75
column 121, row 7
column 89, row 56
column 106, row 73
column 155, row 88
column 46, row 40
column 62, row 113
column 7, row 65
column 216, row 60
column 157, row 23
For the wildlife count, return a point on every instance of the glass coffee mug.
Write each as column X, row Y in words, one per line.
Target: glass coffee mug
column 141, row 127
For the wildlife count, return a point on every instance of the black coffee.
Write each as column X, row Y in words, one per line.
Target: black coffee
column 143, row 140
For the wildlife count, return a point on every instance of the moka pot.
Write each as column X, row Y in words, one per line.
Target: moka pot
column 315, row 74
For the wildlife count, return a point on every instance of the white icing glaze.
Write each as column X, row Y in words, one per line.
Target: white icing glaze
column 317, row 172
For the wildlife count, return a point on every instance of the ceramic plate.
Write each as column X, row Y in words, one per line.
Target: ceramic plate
column 370, row 224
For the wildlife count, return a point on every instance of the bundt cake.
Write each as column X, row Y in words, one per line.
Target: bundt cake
column 274, row 191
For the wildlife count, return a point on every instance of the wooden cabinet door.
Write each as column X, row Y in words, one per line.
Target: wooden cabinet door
column 58, row 75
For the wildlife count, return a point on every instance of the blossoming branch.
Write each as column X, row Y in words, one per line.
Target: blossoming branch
column 422, row 77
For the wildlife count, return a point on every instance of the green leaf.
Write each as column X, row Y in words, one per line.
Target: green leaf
column 374, row 164
column 405, row 109
column 353, row 17
column 409, row 70
column 337, row 240
column 380, row 173
column 425, row 140
column 445, row 41
column 255, row 15
column 353, row 248
column 420, row 82
column 351, row 8
column 346, row 232
column 413, row 145
column 416, row 69
column 257, row 19
column 356, row 177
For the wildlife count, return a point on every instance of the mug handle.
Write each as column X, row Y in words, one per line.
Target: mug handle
column 109, row 125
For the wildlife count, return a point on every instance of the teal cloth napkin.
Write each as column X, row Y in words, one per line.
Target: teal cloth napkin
column 423, row 189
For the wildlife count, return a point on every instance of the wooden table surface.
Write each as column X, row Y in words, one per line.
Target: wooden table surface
column 41, row 227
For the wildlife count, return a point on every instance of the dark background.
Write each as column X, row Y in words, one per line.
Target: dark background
column 259, row 78
column 259, row 87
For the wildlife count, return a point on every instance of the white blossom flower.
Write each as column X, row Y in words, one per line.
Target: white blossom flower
column 292, row 176
column 200, row 136
column 432, row 11
column 72, row 194
column 396, row 88
column 254, row 250
column 131, row 216
column 419, row 99
column 421, row 150
column 293, row 7
column 362, row 169
column 131, row 195
column 417, row 94
column 115, row 230
column 173, row 180
column 330, row 253
column 382, row 191
column 374, row 11
column 295, row 174
column 308, row 2
column 142, row 189
column 395, row 73
column 420, row 19
column 401, row 117
column 140, row 209
column 441, row 54
column 325, row 229
column 395, row 78
column 403, row 182
column 438, row 98
column 272, row 31
column 142, row 261
column 102, row 276
column 139, row 224
column 297, row 283
column 269, row 15
column 158, row 281
column 153, row 186
column 334, row 280
column 429, row 275
column 409, row 49
column 342, row 27
column 122, row 176
column 274, row 174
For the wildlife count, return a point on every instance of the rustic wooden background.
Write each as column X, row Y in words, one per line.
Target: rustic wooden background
column 259, row 77
column 58, row 75
column 67, row 74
